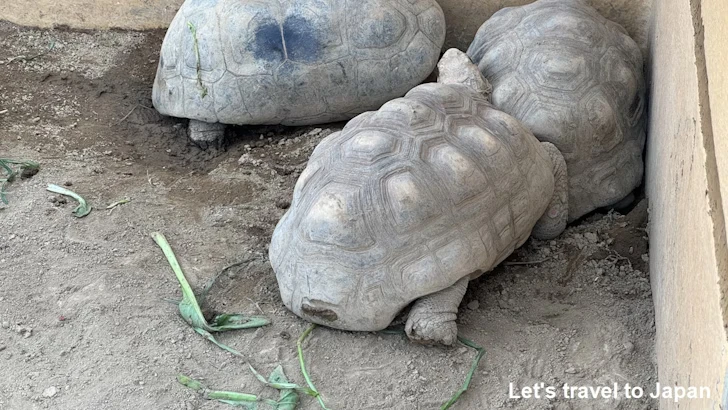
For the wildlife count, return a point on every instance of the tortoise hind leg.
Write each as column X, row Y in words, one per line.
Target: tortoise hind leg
column 206, row 134
column 432, row 318
column 554, row 220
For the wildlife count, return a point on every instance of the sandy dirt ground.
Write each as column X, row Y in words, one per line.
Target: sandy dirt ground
column 85, row 321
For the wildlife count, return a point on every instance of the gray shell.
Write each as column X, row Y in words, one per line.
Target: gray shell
column 575, row 79
column 404, row 202
column 294, row 61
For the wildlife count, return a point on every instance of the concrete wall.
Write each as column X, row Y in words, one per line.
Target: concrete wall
column 463, row 17
column 686, row 157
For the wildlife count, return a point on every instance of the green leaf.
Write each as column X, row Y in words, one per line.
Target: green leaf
column 189, row 382
column 27, row 167
column 249, row 401
column 207, row 335
column 83, row 207
column 226, row 322
column 232, row 396
column 289, row 398
column 190, row 309
column 282, row 385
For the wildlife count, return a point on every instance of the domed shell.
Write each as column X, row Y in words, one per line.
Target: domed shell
column 575, row 79
column 404, row 202
column 294, row 61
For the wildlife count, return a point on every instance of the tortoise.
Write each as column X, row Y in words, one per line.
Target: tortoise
column 575, row 79
column 409, row 203
column 292, row 62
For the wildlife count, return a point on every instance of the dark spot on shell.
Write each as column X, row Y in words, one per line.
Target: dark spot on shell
column 302, row 43
column 268, row 44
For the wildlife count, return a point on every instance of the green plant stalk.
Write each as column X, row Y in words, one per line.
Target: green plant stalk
column 228, row 397
column 83, row 207
column 119, row 202
column 473, row 368
column 302, row 364
column 207, row 335
column 288, row 397
column 282, row 385
column 190, row 309
column 193, row 30
column 25, row 166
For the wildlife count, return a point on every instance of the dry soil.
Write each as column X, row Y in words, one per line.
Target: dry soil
column 84, row 313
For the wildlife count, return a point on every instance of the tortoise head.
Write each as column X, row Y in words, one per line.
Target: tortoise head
column 331, row 296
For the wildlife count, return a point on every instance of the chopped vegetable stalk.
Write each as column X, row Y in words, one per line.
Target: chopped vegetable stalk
column 302, row 363
column 288, row 399
column 473, row 367
column 28, row 168
column 282, row 386
column 119, row 202
column 83, row 207
column 196, row 46
column 190, row 310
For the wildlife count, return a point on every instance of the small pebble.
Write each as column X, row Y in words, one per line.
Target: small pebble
column 570, row 370
column 283, row 204
column 474, row 305
column 50, row 392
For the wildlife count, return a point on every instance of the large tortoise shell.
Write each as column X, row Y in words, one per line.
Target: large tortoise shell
column 575, row 79
column 405, row 201
column 294, row 61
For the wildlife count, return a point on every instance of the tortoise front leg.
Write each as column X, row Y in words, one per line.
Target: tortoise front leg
column 206, row 134
column 432, row 318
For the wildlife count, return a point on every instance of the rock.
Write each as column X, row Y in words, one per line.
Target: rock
column 570, row 370
column 25, row 331
column 591, row 237
column 455, row 67
column 474, row 305
column 50, row 392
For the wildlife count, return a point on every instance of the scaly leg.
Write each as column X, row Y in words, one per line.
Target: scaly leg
column 432, row 318
column 207, row 134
